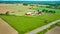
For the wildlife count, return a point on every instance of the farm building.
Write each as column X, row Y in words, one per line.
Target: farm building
column 39, row 12
column 30, row 13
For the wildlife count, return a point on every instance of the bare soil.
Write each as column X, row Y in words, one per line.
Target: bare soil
column 5, row 28
column 4, row 8
column 55, row 30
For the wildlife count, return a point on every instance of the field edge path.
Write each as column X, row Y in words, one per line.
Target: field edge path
column 43, row 27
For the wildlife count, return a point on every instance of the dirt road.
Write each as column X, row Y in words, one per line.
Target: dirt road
column 5, row 28
column 43, row 27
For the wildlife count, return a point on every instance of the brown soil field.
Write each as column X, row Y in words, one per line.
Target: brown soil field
column 5, row 28
column 11, row 4
column 55, row 30
column 4, row 8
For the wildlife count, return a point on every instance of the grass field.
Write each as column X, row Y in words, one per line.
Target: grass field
column 25, row 24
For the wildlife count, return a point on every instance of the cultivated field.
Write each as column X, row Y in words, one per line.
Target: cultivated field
column 5, row 28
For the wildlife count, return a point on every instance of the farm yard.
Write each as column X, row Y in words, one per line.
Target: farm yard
column 24, row 24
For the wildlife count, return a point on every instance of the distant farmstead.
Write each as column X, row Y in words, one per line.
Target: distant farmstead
column 39, row 12
column 30, row 13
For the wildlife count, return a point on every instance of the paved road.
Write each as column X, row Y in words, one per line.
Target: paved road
column 43, row 27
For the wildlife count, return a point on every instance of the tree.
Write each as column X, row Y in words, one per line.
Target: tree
column 50, row 11
column 1, row 14
column 46, row 11
column 54, row 11
column 7, row 13
column 43, row 10
column 25, row 4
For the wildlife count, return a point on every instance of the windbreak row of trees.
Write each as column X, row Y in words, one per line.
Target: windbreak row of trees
column 7, row 13
column 48, row 11
column 54, row 7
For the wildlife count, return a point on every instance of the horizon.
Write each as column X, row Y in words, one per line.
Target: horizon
column 29, row 0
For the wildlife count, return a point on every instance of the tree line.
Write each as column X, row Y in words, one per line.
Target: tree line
column 48, row 11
